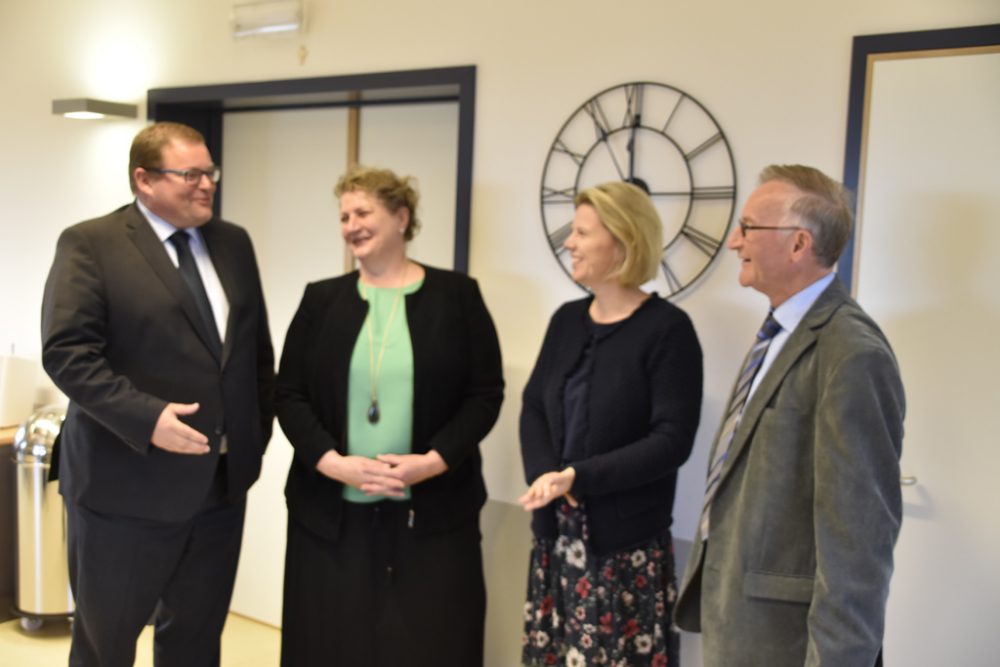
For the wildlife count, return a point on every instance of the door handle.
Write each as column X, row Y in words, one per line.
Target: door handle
column 908, row 480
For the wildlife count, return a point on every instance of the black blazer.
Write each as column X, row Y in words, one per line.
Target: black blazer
column 457, row 392
column 121, row 337
column 642, row 412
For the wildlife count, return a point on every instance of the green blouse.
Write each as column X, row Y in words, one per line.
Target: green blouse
column 391, row 434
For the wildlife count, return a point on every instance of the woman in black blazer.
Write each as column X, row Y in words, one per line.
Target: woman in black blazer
column 389, row 379
column 609, row 415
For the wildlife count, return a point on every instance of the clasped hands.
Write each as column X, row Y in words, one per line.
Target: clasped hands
column 547, row 488
column 385, row 475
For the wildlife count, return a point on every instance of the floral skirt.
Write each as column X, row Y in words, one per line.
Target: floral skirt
column 583, row 610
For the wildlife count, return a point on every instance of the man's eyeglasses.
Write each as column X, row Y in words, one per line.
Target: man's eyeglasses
column 191, row 176
column 745, row 227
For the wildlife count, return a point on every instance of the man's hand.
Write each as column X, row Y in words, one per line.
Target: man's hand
column 173, row 435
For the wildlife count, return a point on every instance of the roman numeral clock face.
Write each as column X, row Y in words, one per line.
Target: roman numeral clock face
column 663, row 140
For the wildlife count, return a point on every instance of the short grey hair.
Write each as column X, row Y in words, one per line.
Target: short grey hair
column 824, row 208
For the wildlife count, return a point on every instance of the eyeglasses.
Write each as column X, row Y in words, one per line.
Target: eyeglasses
column 191, row 176
column 745, row 227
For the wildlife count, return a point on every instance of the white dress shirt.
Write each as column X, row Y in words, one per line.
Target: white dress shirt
column 216, row 295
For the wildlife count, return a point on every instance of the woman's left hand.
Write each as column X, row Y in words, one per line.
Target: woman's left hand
column 547, row 488
column 414, row 468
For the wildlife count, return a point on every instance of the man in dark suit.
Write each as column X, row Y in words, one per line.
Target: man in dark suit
column 793, row 556
column 161, row 344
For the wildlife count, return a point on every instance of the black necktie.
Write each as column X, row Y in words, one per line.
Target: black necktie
column 189, row 272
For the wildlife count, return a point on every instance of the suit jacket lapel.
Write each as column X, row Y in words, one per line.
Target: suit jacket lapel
column 801, row 340
column 149, row 244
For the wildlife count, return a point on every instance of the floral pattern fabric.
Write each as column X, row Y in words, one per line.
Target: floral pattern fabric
column 583, row 610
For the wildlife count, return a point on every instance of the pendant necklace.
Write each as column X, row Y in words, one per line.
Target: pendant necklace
column 375, row 366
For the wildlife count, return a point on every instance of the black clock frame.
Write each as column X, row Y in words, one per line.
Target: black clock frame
column 633, row 122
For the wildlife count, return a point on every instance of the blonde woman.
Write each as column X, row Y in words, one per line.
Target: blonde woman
column 609, row 415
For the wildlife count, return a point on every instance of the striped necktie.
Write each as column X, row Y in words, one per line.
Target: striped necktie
column 751, row 365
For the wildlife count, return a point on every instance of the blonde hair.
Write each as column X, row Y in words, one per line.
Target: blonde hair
column 628, row 213
column 393, row 191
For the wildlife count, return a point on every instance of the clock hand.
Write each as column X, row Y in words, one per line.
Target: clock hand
column 614, row 160
column 631, row 148
column 601, row 127
column 633, row 116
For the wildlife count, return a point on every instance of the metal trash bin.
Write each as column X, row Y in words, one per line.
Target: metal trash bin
column 42, row 584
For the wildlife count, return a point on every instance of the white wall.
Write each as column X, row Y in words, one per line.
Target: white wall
column 774, row 73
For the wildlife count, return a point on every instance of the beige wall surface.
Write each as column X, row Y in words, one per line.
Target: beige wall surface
column 774, row 73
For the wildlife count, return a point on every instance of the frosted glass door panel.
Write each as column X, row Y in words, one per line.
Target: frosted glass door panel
column 279, row 168
column 419, row 140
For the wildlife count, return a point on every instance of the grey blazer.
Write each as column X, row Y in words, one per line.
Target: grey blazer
column 797, row 564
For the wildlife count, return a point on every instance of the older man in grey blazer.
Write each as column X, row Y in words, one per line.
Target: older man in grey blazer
column 793, row 556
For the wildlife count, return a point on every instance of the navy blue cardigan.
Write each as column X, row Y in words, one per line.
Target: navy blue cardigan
column 643, row 411
column 457, row 392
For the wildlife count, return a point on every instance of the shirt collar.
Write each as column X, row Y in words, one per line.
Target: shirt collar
column 164, row 230
column 791, row 312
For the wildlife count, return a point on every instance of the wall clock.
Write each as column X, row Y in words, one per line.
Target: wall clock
column 663, row 140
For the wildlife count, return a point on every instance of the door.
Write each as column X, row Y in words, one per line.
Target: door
column 929, row 219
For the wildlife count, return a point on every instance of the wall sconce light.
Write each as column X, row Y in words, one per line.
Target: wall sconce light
column 87, row 108
column 267, row 17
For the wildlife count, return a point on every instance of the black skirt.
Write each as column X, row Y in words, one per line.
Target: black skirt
column 380, row 595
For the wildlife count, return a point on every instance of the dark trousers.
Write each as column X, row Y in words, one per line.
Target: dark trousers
column 382, row 595
column 124, row 569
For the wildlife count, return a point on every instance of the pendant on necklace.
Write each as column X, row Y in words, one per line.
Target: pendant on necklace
column 373, row 412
